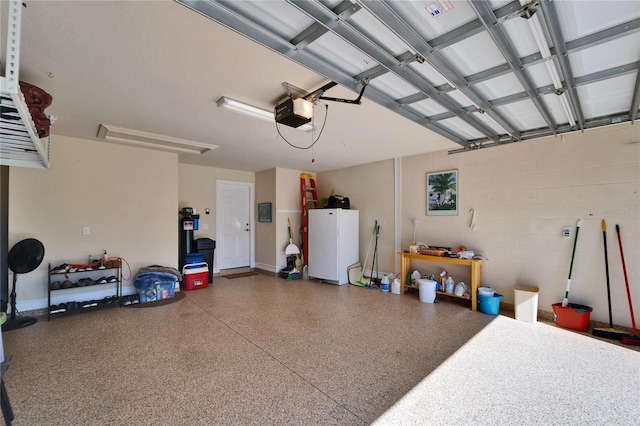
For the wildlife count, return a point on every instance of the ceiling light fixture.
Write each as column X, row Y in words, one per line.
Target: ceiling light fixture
column 253, row 111
column 543, row 47
column 152, row 140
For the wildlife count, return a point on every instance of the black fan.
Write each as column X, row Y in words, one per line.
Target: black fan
column 23, row 258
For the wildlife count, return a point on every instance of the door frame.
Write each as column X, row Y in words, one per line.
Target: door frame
column 250, row 185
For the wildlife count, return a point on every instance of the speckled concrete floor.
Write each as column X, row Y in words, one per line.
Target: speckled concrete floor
column 262, row 350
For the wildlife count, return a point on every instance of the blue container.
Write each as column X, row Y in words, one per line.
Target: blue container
column 191, row 258
column 489, row 304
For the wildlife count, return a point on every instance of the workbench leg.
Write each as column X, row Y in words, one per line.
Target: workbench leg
column 405, row 265
column 476, row 281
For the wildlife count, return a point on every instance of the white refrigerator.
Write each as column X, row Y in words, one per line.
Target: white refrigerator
column 334, row 244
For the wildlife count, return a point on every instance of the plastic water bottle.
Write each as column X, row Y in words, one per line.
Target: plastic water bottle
column 384, row 285
column 449, row 285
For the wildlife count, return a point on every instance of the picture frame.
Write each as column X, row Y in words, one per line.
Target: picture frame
column 442, row 193
column 264, row 212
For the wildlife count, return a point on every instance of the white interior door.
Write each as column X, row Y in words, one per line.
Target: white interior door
column 234, row 224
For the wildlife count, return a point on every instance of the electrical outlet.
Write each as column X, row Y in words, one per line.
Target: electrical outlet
column 415, row 223
column 86, row 231
column 566, row 232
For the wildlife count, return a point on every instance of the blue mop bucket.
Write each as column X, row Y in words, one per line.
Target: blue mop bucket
column 489, row 304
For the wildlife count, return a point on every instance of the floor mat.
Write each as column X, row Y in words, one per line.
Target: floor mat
column 240, row 275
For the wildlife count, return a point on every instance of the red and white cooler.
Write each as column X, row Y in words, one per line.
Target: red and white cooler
column 195, row 276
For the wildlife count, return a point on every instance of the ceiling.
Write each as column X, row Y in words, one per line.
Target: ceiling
column 472, row 76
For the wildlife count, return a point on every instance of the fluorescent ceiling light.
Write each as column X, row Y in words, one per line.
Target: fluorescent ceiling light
column 567, row 109
column 152, row 140
column 246, row 109
column 543, row 47
column 253, row 111
column 538, row 35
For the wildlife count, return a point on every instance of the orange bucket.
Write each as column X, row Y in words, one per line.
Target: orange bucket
column 574, row 317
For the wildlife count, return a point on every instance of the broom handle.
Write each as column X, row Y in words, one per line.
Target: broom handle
column 606, row 267
column 626, row 282
column 573, row 252
column 565, row 301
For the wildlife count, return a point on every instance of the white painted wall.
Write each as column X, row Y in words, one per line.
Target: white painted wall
column 370, row 189
column 281, row 187
column 197, row 189
column 523, row 194
column 128, row 197
column 266, row 232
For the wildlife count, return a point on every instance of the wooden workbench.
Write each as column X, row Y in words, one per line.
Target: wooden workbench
column 406, row 266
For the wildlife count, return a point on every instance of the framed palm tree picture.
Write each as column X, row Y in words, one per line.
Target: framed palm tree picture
column 442, row 193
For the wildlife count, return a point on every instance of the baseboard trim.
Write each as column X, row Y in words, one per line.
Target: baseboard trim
column 266, row 268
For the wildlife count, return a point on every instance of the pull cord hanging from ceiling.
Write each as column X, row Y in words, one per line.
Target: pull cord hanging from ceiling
column 324, row 122
column 316, row 96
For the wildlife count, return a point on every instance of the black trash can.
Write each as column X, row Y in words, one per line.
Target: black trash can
column 206, row 247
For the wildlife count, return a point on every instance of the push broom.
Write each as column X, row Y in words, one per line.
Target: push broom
column 634, row 339
column 608, row 333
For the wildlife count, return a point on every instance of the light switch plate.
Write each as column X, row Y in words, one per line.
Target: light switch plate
column 566, row 232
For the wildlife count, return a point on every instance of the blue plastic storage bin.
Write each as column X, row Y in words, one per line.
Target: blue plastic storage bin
column 160, row 291
column 489, row 304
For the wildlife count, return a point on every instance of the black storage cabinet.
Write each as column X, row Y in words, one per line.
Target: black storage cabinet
column 206, row 247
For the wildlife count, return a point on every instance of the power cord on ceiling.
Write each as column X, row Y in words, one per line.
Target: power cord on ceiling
column 314, row 142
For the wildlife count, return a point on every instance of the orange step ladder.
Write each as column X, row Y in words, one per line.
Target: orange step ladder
column 309, row 195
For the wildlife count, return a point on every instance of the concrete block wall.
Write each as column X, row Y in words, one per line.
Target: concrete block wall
column 522, row 195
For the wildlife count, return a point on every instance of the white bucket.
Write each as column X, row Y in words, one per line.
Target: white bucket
column 427, row 290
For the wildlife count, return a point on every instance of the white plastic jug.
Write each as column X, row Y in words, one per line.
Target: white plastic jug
column 384, row 285
column 415, row 276
column 427, row 289
column 395, row 286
